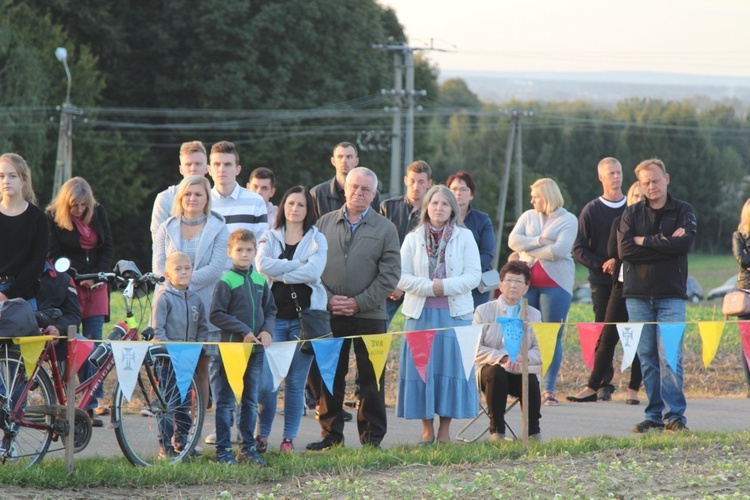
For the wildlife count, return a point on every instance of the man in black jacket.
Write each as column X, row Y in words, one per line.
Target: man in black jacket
column 653, row 241
column 329, row 195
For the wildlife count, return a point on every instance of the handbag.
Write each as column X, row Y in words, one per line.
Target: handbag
column 736, row 303
column 313, row 324
column 490, row 281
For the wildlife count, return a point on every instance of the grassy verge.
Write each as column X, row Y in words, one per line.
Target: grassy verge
column 697, row 464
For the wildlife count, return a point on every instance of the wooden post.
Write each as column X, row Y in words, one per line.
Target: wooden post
column 524, row 378
column 71, row 397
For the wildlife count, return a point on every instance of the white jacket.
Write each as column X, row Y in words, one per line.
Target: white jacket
column 491, row 347
column 305, row 268
column 462, row 269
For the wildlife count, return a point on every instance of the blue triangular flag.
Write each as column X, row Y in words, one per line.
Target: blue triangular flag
column 512, row 335
column 671, row 338
column 184, row 359
column 327, row 354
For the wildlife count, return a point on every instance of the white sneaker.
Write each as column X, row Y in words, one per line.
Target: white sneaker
column 210, row 439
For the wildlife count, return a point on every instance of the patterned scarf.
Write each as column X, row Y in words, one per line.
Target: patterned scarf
column 437, row 239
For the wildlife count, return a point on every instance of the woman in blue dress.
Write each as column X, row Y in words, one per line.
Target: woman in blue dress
column 440, row 266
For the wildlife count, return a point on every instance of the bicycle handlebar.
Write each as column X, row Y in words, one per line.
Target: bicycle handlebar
column 113, row 277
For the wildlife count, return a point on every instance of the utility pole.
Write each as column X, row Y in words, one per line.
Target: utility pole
column 64, row 160
column 403, row 127
column 514, row 138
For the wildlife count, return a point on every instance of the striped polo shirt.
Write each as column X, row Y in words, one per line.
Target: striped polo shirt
column 241, row 209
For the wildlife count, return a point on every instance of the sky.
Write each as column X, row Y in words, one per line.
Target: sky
column 698, row 37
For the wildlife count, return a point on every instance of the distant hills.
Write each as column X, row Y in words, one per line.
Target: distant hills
column 605, row 88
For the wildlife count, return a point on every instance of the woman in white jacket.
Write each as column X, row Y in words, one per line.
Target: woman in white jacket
column 292, row 257
column 440, row 266
column 499, row 375
column 544, row 238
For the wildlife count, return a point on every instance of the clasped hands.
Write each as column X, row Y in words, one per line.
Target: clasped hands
column 263, row 338
column 341, row 305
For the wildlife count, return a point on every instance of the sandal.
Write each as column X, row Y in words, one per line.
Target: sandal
column 550, row 399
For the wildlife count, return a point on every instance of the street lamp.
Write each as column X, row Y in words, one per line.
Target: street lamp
column 64, row 161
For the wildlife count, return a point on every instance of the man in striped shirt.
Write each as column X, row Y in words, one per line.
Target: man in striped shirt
column 240, row 207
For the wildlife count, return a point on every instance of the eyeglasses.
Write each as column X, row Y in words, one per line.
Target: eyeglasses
column 514, row 282
column 460, row 190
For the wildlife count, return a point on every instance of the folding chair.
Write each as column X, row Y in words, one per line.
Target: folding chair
column 484, row 411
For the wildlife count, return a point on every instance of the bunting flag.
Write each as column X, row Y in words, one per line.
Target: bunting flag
column 31, row 349
column 420, row 345
column 234, row 357
column 546, row 336
column 327, row 354
column 710, row 332
column 671, row 338
column 745, row 339
column 378, row 347
column 630, row 337
column 512, row 335
column 468, row 341
column 128, row 360
column 184, row 359
column 279, row 358
column 82, row 349
column 588, row 334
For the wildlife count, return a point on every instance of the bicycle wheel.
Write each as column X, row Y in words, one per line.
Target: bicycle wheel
column 27, row 437
column 156, row 417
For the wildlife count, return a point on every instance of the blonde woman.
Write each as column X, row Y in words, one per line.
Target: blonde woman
column 544, row 238
column 440, row 266
column 23, row 247
column 741, row 251
column 200, row 233
column 79, row 230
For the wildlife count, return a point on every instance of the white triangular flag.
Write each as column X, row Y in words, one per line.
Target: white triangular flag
column 468, row 341
column 279, row 357
column 128, row 359
column 630, row 336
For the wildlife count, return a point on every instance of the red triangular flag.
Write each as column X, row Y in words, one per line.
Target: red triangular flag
column 589, row 333
column 420, row 344
column 82, row 347
column 745, row 337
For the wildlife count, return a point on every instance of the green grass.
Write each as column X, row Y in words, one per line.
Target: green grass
column 591, row 467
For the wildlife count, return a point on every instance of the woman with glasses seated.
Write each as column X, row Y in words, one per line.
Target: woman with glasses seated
column 498, row 374
column 439, row 268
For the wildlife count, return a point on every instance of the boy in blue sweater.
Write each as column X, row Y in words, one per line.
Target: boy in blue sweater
column 244, row 309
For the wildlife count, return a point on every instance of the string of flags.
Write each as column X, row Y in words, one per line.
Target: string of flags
column 184, row 356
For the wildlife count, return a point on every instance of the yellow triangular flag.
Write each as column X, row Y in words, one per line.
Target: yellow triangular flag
column 546, row 336
column 31, row 349
column 378, row 347
column 711, row 335
column 234, row 357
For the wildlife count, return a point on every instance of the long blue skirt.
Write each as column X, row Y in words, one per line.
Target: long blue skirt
column 447, row 393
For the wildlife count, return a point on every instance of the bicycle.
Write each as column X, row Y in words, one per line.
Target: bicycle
column 34, row 415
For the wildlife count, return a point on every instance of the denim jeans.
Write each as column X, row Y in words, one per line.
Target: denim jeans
column 663, row 385
column 224, row 400
column 554, row 303
column 391, row 308
column 294, row 385
column 92, row 330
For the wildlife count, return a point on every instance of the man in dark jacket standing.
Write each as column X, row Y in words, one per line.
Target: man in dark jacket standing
column 329, row 195
column 364, row 266
column 653, row 241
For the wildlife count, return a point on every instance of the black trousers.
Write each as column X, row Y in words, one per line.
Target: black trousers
column 617, row 312
column 371, row 417
column 497, row 384
column 600, row 295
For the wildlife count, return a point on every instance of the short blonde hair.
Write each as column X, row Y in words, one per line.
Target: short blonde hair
column 75, row 190
column 191, row 180
column 631, row 192
column 175, row 257
column 653, row 162
column 550, row 194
